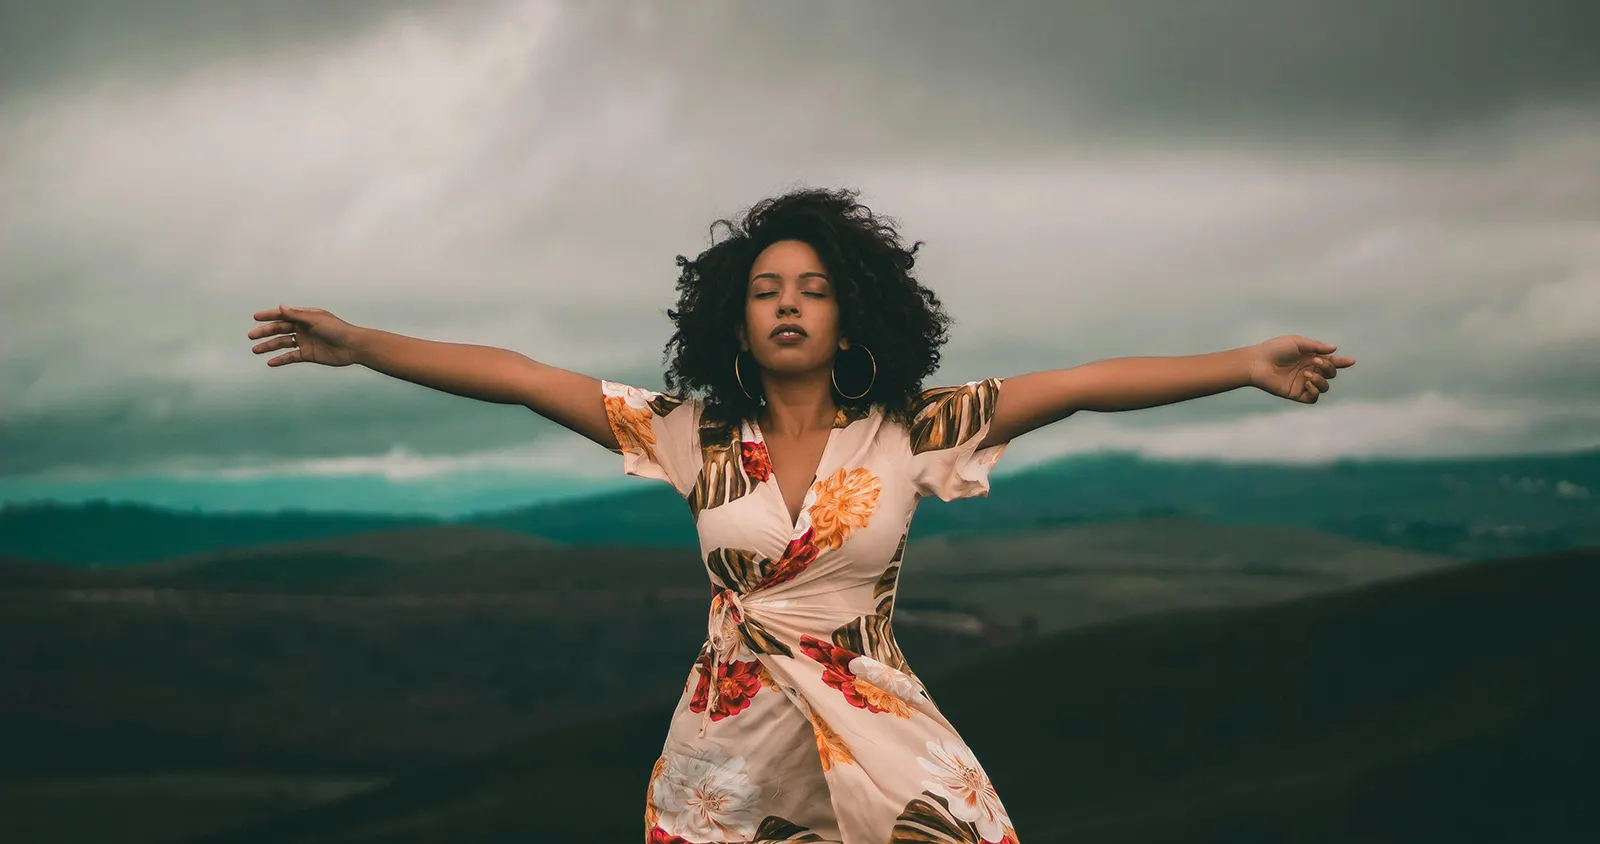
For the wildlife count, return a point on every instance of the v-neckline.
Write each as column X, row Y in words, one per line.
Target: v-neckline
column 772, row 474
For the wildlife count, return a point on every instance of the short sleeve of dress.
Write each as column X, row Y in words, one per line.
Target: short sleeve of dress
column 658, row 434
column 947, row 425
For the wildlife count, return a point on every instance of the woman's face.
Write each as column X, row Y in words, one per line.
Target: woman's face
column 789, row 286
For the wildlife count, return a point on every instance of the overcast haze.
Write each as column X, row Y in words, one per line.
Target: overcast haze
column 1418, row 182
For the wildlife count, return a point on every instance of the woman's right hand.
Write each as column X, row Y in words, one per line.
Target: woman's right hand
column 310, row 334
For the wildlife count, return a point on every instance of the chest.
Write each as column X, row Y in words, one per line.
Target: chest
column 795, row 462
column 848, row 491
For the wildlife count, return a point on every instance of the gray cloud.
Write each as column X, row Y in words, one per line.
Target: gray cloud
column 45, row 47
column 521, row 175
column 1231, row 68
column 157, row 425
column 1411, row 64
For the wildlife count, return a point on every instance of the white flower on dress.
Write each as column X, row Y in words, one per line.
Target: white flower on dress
column 706, row 797
column 961, row 781
column 891, row 680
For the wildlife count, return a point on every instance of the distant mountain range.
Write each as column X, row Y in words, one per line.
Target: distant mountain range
column 1464, row 508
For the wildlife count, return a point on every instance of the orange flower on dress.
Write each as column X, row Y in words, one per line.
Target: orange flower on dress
column 830, row 748
column 880, row 700
column 765, row 676
column 844, row 503
column 631, row 426
column 650, row 815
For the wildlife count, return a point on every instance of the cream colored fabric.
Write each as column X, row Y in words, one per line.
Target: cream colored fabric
column 800, row 720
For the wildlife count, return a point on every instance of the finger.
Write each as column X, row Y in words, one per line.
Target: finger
column 1342, row 362
column 1319, row 382
column 281, row 312
column 291, row 356
column 273, row 344
column 1322, row 366
column 271, row 328
column 281, row 342
column 1307, row 344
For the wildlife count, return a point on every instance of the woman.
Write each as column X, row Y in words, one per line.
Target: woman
column 802, row 460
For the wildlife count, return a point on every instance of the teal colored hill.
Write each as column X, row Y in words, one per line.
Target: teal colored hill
column 1466, row 508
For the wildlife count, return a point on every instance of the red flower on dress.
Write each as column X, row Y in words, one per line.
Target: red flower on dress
column 697, row 703
column 835, row 668
column 836, row 672
column 801, row 552
column 757, row 463
column 661, row 836
column 737, row 683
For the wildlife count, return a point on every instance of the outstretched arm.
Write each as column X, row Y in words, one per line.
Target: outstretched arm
column 491, row 374
column 486, row 373
column 1291, row 367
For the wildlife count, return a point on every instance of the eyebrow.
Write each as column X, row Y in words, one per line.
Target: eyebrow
column 776, row 277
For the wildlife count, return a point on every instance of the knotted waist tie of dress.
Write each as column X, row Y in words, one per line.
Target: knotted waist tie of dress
column 722, row 631
column 725, row 629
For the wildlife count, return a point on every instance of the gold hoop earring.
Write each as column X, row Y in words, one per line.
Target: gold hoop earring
column 834, row 375
column 740, row 378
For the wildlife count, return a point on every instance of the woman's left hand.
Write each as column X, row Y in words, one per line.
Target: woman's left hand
column 1295, row 368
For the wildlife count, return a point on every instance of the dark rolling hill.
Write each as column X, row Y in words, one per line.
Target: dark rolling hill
column 325, row 654
column 1451, row 706
column 328, row 654
column 1061, row 577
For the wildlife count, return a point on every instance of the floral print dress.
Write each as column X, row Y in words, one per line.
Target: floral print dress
column 800, row 719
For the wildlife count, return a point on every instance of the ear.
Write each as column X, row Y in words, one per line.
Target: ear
column 844, row 343
column 744, row 342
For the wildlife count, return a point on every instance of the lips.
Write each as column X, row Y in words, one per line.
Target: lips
column 787, row 326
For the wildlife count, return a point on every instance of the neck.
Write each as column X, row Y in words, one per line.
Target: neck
column 797, row 404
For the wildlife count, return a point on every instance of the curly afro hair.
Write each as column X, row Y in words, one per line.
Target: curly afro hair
column 881, row 306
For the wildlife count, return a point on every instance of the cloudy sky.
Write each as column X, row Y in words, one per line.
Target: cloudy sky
column 1415, row 180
